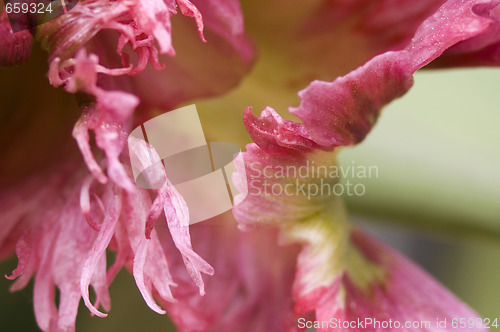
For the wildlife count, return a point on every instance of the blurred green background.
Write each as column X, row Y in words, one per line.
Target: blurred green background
column 437, row 199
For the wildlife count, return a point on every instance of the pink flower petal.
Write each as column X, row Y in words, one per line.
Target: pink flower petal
column 177, row 215
column 24, row 252
column 342, row 112
column 408, row 294
column 385, row 24
column 139, row 262
column 150, row 266
column 113, row 203
column 44, row 292
column 335, row 114
column 85, row 203
column 188, row 9
column 174, row 207
column 153, row 17
column 81, row 135
column 252, row 285
column 106, row 116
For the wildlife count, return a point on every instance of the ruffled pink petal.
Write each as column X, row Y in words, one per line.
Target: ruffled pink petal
column 133, row 19
column 65, row 251
column 68, row 251
column 60, row 240
column 98, row 220
column 15, row 48
column 142, row 23
column 107, row 113
column 335, row 114
column 107, row 116
column 343, row 111
column 174, row 207
column 153, row 16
